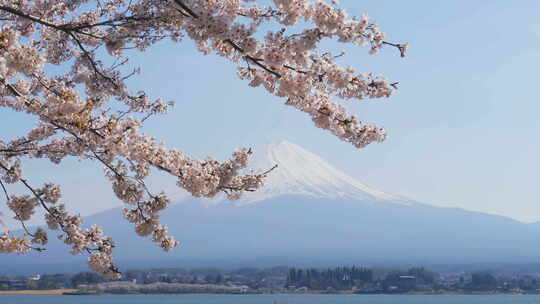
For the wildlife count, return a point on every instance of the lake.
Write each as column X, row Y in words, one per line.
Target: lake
column 272, row 299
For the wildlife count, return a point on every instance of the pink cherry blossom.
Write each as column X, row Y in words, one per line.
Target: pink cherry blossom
column 73, row 107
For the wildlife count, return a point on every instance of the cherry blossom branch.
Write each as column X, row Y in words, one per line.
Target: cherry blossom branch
column 29, row 17
column 101, row 261
column 35, row 34
column 187, row 9
column 7, row 200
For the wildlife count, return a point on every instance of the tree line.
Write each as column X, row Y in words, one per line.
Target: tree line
column 340, row 278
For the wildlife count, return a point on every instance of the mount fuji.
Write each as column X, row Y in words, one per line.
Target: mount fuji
column 303, row 173
column 307, row 214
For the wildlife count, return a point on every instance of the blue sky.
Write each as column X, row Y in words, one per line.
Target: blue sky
column 463, row 127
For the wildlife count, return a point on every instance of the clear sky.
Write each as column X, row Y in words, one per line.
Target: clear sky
column 463, row 127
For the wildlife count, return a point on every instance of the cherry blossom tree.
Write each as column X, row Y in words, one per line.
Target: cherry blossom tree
column 73, row 108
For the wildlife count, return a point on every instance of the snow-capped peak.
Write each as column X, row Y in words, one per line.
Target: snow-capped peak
column 300, row 172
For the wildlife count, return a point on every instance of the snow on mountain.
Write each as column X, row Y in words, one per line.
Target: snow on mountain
column 301, row 172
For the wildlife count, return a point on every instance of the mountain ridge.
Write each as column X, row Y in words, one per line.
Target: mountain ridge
column 299, row 221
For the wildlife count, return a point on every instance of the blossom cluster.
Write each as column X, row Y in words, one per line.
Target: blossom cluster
column 90, row 240
column 10, row 244
column 73, row 107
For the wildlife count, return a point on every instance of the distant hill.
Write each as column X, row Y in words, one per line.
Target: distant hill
column 309, row 214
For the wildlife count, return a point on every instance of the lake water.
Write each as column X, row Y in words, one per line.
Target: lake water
column 272, row 299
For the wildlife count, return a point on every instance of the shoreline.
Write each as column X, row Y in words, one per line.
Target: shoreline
column 49, row 292
column 79, row 292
